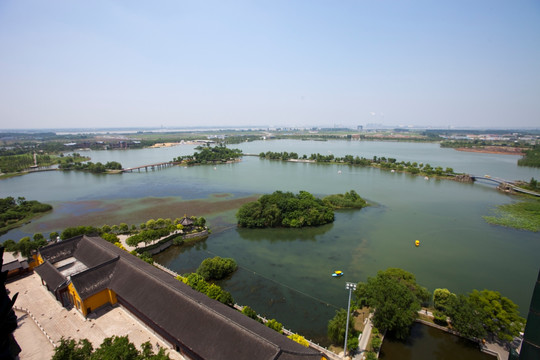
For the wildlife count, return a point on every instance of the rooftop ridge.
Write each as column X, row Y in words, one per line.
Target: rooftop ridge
column 195, row 301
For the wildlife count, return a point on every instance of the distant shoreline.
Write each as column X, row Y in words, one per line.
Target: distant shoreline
column 491, row 150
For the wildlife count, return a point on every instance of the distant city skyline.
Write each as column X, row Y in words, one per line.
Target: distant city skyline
column 179, row 64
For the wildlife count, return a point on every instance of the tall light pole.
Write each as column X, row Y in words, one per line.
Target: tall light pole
column 349, row 286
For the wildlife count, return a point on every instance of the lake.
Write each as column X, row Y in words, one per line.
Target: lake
column 285, row 273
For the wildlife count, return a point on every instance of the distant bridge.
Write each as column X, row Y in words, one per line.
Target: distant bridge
column 507, row 184
column 157, row 166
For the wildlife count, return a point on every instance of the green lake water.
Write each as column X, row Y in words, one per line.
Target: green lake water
column 284, row 273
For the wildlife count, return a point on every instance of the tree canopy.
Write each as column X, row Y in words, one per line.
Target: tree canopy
column 349, row 200
column 465, row 317
column 499, row 314
column 15, row 211
column 285, row 209
column 115, row 347
column 395, row 298
column 216, row 268
column 216, row 154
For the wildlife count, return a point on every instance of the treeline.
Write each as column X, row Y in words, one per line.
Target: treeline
column 210, row 155
column 285, row 209
column 479, row 143
column 395, row 299
column 381, row 162
column 13, row 212
column 150, row 228
column 91, row 167
column 25, row 246
column 18, row 162
column 213, row 291
column 531, row 158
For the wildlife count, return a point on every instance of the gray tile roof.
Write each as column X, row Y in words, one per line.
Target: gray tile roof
column 52, row 277
column 205, row 327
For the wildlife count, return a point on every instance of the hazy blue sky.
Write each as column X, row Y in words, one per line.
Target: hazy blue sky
column 291, row 62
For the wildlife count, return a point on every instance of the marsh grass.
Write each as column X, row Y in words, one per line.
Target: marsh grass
column 522, row 215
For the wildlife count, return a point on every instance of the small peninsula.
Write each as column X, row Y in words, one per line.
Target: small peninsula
column 285, row 209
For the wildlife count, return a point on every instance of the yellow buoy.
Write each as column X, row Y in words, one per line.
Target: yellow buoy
column 417, row 243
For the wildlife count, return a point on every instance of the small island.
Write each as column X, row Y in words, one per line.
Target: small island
column 14, row 213
column 210, row 155
column 285, row 209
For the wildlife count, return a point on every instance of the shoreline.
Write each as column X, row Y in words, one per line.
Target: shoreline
column 491, row 151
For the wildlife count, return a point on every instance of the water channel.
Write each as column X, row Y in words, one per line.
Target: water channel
column 285, row 274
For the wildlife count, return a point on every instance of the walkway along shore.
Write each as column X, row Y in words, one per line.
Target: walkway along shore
column 328, row 354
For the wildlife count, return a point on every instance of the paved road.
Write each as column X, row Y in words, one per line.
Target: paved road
column 363, row 340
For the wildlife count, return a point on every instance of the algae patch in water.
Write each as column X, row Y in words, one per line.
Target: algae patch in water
column 522, row 215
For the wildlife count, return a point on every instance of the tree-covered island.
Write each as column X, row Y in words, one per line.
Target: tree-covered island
column 285, row 209
column 377, row 161
column 210, row 155
column 15, row 212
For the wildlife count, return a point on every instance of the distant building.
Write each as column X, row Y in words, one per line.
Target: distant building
column 89, row 273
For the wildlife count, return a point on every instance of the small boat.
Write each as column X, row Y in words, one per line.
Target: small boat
column 338, row 273
column 417, row 243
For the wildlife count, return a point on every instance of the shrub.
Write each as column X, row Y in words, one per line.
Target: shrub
column 299, row 339
column 217, row 268
column 249, row 312
column 376, row 343
column 371, row 356
column 275, row 325
column 439, row 318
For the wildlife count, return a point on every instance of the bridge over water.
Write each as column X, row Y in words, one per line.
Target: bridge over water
column 504, row 183
column 156, row 166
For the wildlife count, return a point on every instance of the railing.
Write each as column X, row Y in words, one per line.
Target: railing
column 37, row 323
column 328, row 353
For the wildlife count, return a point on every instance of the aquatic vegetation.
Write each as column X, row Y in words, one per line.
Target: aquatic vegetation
column 522, row 215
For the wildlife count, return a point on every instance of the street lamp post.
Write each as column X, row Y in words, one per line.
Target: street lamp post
column 349, row 286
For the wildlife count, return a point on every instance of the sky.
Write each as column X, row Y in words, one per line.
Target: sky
column 298, row 63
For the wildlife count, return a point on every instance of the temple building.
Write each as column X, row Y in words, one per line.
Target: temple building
column 89, row 273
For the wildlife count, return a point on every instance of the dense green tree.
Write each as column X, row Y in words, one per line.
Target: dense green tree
column 285, row 209
column 53, row 236
column 216, row 268
column 376, row 343
column 465, row 317
column 68, row 349
column 212, row 155
column 116, row 347
column 395, row 298
column 336, row 327
column 70, row 232
column 38, row 237
column 442, row 298
column 499, row 314
column 349, row 200
column 112, row 238
column 10, row 245
column 15, row 212
column 124, row 228
column 371, row 355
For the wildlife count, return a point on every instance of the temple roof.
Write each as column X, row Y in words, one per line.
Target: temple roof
column 192, row 318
